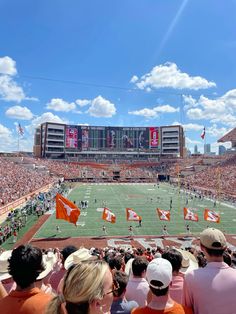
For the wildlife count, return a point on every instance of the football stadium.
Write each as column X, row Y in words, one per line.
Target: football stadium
column 117, row 157
column 117, row 179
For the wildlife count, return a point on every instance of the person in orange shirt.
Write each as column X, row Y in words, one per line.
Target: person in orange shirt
column 25, row 265
column 159, row 277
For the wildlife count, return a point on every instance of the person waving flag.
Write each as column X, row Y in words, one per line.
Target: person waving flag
column 108, row 216
column 163, row 214
column 131, row 215
column 66, row 209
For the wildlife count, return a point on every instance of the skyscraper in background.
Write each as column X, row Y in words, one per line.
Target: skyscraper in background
column 207, row 149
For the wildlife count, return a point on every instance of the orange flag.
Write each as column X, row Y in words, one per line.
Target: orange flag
column 131, row 215
column 109, row 216
column 66, row 210
column 190, row 215
column 211, row 216
column 163, row 214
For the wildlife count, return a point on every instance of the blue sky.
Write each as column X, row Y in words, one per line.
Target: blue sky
column 121, row 63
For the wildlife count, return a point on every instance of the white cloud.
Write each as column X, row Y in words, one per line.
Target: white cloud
column 18, row 112
column 166, row 109
column 219, row 110
column 45, row 117
column 9, row 90
column 168, row 75
column 7, row 66
column 145, row 112
column 193, row 142
column 189, row 101
column 58, row 104
column 190, row 126
column 83, row 102
column 216, row 131
column 153, row 112
column 134, row 79
column 101, row 107
column 7, row 141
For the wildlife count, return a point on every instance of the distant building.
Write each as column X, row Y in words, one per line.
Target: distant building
column 222, row 150
column 196, row 149
column 207, row 149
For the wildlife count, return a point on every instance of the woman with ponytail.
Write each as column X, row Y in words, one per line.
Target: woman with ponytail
column 87, row 289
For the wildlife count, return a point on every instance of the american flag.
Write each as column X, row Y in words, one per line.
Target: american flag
column 20, row 130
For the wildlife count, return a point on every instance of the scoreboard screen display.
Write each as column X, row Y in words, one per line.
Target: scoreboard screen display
column 95, row 138
column 71, row 137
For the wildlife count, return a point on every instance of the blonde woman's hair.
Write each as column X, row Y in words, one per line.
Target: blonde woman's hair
column 82, row 284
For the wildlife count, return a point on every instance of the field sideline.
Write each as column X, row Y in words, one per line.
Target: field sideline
column 144, row 199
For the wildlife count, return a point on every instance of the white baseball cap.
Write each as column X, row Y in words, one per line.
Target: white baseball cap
column 159, row 269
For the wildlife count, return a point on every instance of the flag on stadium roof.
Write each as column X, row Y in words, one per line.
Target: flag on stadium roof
column 189, row 214
column 20, row 130
column 211, row 216
column 131, row 215
column 163, row 214
column 203, row 133
column 66, row 209
column 108, row 215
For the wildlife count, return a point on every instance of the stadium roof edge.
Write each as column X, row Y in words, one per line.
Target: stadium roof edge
column 228, row 137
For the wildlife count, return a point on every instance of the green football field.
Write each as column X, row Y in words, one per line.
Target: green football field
column 144, row 199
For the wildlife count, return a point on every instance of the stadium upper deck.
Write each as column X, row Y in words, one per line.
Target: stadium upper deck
column 60, row 141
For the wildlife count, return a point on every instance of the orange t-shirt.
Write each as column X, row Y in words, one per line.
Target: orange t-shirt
column 175, row 309
column 33, row 301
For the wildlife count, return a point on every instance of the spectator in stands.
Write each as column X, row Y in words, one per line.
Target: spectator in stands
column 211, row 289
column 88, row 288
column 120, row 304
column 116, row 262
column 182, row 262
column 59, row 269
column 176, row 287
column 25, row 265
column 82, row 254
column 159, row 276
column 137, row 288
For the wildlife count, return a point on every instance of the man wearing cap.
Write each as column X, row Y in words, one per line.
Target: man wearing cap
column 159, row 277
column 211, row 289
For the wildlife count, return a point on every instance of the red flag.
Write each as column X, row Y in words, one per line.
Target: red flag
column 131, row 215
column 203, row 133
column 163, row 214
column 189, row 214
column 66, row 210
column 211, row 216
column 107, row 215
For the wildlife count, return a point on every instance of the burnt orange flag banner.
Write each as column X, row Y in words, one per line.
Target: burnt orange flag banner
column 107, row 215
column 131, row 215
column 211, row 216
column 66, row 210
column 163, row 214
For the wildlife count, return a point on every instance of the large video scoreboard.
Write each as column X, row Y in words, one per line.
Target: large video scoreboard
column 101, row 138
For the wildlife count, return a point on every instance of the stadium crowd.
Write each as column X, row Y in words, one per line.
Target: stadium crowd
column 116, row 280
column 18, row 181
column 36, row 206
column 217, row 181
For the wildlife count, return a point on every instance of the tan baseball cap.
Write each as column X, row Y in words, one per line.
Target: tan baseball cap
column 213, row 239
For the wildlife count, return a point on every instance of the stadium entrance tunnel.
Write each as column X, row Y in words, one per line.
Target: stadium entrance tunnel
column 163, row 177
